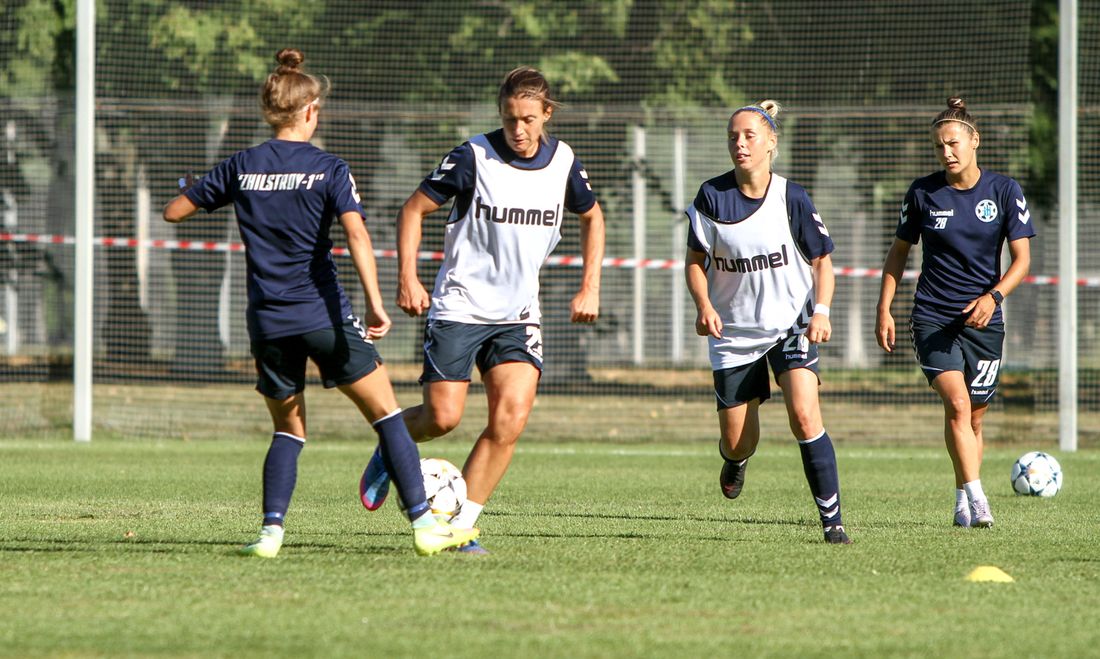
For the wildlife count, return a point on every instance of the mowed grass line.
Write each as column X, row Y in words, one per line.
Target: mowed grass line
column 126, row 548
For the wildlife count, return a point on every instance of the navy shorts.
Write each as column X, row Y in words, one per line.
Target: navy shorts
column 451, row 348
column 953, row 346
column 342, row 354
column 740, row 384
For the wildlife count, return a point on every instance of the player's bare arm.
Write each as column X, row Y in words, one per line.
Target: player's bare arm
column 821, row 329
column 362, row 255
column 707, row 320
column 412, row 297
column 585, row 307
column 891, row 274
column 179, row 209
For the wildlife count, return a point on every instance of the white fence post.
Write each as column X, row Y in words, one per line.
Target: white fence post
column 1067, row 225
column 10, row 222
column 679, row 239
column 639, row 189
column 84, row 272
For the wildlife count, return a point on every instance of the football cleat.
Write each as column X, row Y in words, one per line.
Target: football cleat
column 732, row 478
column 375, row 483
column 835, row 535
column 434, row 539
column 472, row 548
column 980, row 515
column 267, row 545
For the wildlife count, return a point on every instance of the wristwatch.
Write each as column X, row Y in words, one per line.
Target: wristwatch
column 998, row 298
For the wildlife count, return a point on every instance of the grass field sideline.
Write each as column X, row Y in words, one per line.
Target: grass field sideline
column 126, row 548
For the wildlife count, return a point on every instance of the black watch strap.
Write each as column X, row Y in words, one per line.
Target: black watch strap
column 998, row 298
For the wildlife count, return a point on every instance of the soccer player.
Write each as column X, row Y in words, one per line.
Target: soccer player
column 286, row 193
column 965, row 215
column 511, row 188
column 759, row 271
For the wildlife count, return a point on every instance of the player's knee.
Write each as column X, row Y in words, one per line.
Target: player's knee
column 805, row 421
column 957, row 408
column 441, row 422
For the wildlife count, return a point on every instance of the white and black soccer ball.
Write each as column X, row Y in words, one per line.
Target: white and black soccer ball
column 444, row 487
column 1037, row 474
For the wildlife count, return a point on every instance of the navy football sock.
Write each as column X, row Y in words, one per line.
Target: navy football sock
column 819, row 463
column 402, row 460
column 280, row 475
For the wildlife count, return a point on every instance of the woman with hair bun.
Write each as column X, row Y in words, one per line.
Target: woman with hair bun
column 965, row 215
column 286, row 193
column 759, row 271
column 511, row 189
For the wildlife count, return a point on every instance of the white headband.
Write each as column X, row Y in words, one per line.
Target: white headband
column 308, row 105
column 965, row 123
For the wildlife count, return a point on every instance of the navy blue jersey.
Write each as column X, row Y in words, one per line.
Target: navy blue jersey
column 963, row 231
column 456, row 175
column 286, row 195
column 721, row 200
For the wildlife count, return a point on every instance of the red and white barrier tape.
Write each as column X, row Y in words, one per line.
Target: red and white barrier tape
column 572, row 261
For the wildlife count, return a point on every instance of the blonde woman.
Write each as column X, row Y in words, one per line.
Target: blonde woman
column 759, row 271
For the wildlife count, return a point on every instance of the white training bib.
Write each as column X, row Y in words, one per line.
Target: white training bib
column 757, row 279
column 493, row 253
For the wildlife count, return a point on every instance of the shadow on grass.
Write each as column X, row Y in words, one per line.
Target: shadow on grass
column 169, row 546
column 661, row 518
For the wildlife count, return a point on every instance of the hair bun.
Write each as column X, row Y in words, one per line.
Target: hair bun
column 289, row 59
column 956, row 103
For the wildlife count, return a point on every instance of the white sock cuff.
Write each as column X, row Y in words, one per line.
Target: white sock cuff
column 974, row 490
column 300, row 440
column 467, row 517
column 389, row 416
column 814, row 438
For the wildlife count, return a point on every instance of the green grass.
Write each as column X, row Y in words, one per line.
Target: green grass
column 126, row 548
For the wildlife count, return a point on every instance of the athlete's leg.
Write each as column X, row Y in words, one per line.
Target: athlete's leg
column 510, row 388
column 288, row 415
column 958, row 430
column 800, row 387
column 739, row 427
column 800, row 394
column 740, row 430
column 373, row 395
column 441, row 411
column 280, row 474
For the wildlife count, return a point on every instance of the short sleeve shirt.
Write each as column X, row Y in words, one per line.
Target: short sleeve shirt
column 963, row 232
column 286, row 195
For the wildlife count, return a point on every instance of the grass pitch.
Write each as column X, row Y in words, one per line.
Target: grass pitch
column 124, row 548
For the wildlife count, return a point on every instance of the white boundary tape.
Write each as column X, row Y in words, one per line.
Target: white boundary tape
column 572, row 261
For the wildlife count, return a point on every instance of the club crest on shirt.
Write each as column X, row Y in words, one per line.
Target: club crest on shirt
column 986, row 210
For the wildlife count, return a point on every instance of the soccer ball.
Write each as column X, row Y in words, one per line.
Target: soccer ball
column 443, row 486
column 1038, row 474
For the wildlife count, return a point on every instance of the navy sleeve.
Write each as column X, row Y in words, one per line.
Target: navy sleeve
column 807, row 227
column 909, row 222
column 1018, row 221
column 343, row 192
column 703, row 205
column 579, row 197
column 454, row 175
column 216, row 188
column 693, row 242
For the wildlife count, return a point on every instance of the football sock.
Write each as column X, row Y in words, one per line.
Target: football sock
column 467, row 516
column 425, row 520
column 961, row 500
column 280, row 476
column 819, row 464
column 402, row 460
column 974, row 490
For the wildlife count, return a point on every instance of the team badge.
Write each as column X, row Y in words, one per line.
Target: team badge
column 986, row 210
